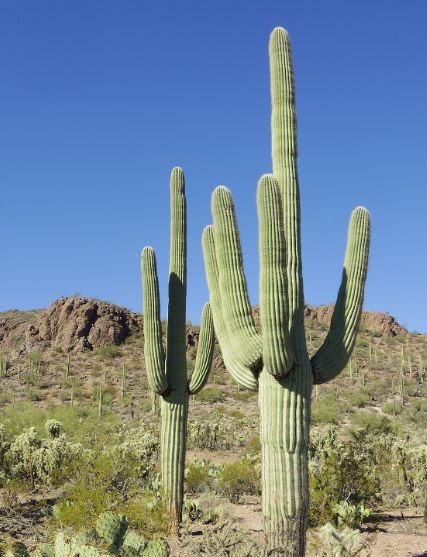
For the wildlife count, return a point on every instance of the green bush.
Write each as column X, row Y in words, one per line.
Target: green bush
column 239, row 478
column 198, row 477
column 210, row 394
column 108, row 352
column 327, row 410
column 360, row 398
column 340, row 471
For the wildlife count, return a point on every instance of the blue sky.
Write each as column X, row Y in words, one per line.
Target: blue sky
column 99, row 101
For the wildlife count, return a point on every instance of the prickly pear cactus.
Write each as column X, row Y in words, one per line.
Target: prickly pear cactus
column 133, row 545
column 44, row 550
column 111, row 527
column 62, row 546
column 156, row 548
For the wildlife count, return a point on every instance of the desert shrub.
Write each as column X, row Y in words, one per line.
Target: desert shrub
column 33, row 394
column 243, row 396
column 4, row 398
column 393, row 408
column 359, row 398
column 327, row 410
column 108, row 352
column 339, row 471
column 145, row 512
column 210, row 394
column 239, row 478
column 213, row 434
column 199, row 476
column 89, row 495
column 416, row 412
column 372, row 423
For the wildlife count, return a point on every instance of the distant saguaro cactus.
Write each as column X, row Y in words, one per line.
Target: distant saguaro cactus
column 276, row 359
column 167, row 373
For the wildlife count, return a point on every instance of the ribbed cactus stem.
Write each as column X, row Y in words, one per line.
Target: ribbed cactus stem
column 277, row 358
column 123, row 381
column 167, row 371
column 100, row 401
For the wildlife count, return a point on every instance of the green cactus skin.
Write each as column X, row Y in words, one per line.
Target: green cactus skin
column 61, row 545
column 156, row 548
column 167, row 373
column 276, row 361
column 111, row 527
column 133, row 545
column 44, row 550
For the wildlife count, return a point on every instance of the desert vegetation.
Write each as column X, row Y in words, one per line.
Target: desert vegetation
column 63, row 464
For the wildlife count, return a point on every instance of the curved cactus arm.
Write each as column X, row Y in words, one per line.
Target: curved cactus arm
column 153, row 346
column 240, row 373
column 237, row 312
column 204, row 352
column 284, row 155
column 277, row 352
column 335, row 351
column 176, row 363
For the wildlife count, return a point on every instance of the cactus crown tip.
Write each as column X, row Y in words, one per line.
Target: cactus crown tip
column 146, row 251
column 177, row 180
column 279, row 33
column 222, row 197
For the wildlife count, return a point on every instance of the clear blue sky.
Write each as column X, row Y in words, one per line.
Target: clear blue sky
column 100, row 99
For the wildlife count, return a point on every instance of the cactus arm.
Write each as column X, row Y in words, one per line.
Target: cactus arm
column 245, row 339
column 204, row 352
column 284, row 155
column 153, row 346
column 277, row 352
column 240, row 373
column 335, row 351
column 175, row 354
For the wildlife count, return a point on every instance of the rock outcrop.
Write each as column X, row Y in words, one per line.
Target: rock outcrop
column 372, row 321
column 72, row 324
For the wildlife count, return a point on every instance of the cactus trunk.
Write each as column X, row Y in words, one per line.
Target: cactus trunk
column 284, row 434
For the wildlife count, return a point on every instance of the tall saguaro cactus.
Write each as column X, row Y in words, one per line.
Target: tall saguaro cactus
column 167, row 372
column 275, row 360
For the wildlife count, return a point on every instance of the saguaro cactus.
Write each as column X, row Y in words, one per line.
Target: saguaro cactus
column 167, row 373
column 276, row 360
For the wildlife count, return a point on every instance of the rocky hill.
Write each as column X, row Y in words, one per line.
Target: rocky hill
column 75, row 324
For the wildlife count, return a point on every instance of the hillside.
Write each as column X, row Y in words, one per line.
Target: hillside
column 55, row 361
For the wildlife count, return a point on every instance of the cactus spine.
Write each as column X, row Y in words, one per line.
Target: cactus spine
column 167, row 373
column 276, row 360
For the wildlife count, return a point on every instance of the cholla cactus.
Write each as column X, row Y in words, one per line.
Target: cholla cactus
column 276, row 359
column 167, row 373
column 54, row 428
